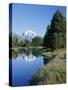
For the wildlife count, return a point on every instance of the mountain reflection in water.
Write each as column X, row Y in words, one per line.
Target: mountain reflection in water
column 25, row 62
column 27, row 58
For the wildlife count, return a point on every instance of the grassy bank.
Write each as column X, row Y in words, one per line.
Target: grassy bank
column 60, row 53
column 54, row 72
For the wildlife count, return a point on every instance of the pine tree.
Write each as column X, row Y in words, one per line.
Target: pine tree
column 55, row 36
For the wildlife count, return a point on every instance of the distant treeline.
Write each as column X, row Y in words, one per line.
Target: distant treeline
column 36, row 41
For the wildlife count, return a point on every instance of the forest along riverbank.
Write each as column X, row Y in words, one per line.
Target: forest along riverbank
column 53, row 72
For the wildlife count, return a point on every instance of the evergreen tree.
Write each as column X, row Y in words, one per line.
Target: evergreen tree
column 55, row 36
column 37, row 41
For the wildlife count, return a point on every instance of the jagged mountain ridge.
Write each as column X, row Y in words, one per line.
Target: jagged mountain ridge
column 27, row 35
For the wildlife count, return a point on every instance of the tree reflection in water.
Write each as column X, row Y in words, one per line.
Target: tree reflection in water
column 45, row 60
column 29, row 54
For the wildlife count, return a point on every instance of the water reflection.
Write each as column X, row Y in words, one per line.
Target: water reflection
column 26, row 52
column 25, row 62
column 45, row 60
column 30, row 57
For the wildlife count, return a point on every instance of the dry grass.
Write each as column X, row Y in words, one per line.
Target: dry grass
column 53, row 73
column 56, row 53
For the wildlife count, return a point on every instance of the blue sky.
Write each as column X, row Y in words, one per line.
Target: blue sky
column 33, row 17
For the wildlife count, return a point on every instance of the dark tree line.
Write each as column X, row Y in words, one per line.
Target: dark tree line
column 55, row 36
column 36, row 41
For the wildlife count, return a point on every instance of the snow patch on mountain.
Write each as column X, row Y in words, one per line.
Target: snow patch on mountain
column 28, row 35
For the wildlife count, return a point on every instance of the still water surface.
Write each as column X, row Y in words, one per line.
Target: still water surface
column 25, row 62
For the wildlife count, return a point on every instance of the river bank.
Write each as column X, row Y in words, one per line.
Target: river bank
column 54, row 72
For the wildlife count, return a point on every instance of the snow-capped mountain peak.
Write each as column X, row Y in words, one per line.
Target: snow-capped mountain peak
column 28, row 35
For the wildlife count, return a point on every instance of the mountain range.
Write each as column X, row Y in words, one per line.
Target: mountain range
column 27, row 35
